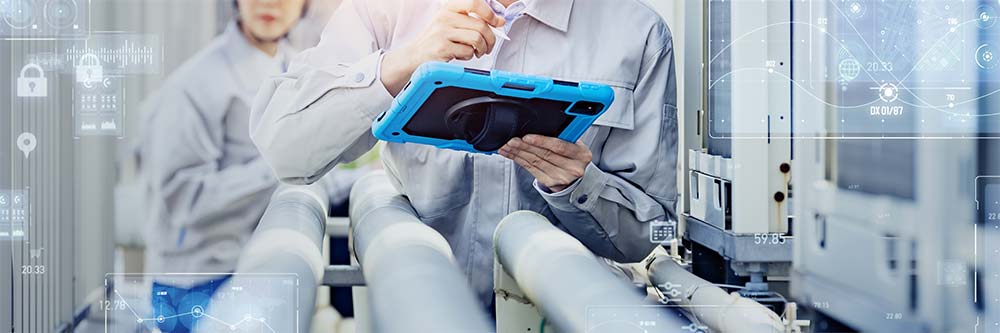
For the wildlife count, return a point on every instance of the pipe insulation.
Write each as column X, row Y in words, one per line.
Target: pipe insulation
column 711, row 305
column 413, row 282
column 560, row 275
column 288, row 243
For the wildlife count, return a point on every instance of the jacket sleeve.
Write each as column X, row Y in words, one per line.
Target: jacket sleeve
column 319, row 113
column 634, row 182
column 182, row 158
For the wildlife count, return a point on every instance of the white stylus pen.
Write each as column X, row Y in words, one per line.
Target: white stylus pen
column 497, row 32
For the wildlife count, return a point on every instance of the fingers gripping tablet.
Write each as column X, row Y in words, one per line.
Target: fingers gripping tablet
column 452, row 107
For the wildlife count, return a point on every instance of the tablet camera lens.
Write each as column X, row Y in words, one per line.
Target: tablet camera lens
column 587, row 108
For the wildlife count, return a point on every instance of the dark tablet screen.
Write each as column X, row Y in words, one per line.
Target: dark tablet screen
column 429, row 119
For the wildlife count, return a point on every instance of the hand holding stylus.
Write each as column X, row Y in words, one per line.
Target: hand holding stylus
column 461, row 30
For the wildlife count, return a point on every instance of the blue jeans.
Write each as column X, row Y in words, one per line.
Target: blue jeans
column 177, row 310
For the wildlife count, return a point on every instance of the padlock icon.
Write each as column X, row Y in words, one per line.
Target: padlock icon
column 37, row 86
column 89, row 69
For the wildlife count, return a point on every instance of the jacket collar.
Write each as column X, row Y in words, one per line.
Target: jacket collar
column 553, row 13
column 252, row 66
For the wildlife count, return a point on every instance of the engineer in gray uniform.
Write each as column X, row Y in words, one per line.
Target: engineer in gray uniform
column 603, row 190
column 208, row 185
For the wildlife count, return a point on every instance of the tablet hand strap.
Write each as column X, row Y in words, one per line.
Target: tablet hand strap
column 488, row 122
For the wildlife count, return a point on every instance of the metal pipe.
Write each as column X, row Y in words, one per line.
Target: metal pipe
column 413, row 282
column 343, row 276
column 286, row 247
column 338, row 226
column 712, row 306
column 559, row 274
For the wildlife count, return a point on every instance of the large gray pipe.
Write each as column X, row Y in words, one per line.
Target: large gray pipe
column 413, row 282
column 285, row 249
column 712, row 306
column 560, row 276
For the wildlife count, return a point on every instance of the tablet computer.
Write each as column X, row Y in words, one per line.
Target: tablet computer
column 452, row 107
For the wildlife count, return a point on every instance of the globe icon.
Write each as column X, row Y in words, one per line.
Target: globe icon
column 849, row 69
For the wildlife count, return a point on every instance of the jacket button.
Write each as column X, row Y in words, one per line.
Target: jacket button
column 582, row 199
column 359, row 77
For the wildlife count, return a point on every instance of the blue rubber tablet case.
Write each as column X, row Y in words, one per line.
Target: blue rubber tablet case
column 449, row 106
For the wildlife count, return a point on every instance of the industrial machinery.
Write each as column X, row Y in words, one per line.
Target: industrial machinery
column 887, row 232
column 832, row 161
column 737, row 204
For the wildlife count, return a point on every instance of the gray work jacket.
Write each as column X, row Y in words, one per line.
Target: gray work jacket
column 319, row 114
column 208, row 186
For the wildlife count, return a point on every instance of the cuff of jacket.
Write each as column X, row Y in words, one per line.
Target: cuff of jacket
column 582, row 195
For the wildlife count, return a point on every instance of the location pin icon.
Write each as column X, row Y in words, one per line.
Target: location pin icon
column 26, row 143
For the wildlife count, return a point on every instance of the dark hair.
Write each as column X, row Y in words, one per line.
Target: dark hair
column 305, row 8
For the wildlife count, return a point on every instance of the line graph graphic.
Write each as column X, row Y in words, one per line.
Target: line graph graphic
column 879, row 68
column 181, row 303
column 196, row 312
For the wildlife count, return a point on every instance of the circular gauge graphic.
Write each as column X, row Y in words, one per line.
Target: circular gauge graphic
column 18, row 14
column 986, row 16
column 60, row 14
column 986, row 57
column 855, row 9
column 888, row 92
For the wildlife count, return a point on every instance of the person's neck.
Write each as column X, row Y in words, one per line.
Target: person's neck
column 506, row 3
column 269, row 48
